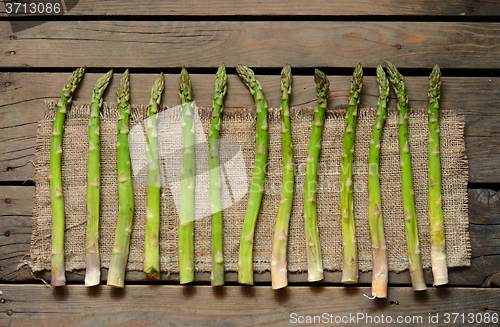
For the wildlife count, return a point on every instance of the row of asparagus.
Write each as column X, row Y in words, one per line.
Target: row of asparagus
column 186, row 214
column 379, row 247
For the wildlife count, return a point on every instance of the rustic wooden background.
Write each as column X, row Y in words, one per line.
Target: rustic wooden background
column 39, row 51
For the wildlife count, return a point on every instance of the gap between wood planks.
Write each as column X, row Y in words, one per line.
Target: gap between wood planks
column 270, row 71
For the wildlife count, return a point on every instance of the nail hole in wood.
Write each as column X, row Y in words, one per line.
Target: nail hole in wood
column 10, row 312
column 398, row 46
column 10, row 168
column 8, row 201
column 393, row 303
column 12, row 53
column 13, row 37
column 7, row 233
column 3, row 300
column 486, row 309
column 7, row 84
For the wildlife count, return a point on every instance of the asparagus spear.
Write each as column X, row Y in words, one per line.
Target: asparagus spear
column 245, row 263
column 119, row 256
column 151, row 243
column 57, row 262
column 380, row 266
column 438, row 245
column 416, row 273
column 186, row 210
column 314, row 260
column 350, row 269
column 217, row 276
column 93, row 262
column 278, row 259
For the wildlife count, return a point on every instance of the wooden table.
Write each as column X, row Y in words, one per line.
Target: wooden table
column 150, row 36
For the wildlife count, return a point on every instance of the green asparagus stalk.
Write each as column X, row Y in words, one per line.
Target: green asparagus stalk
column 57, row 262
column 151, row 243
column 416, row 273
column 314, row 260
column 379, row 248
column 186, row 210
column 350, row 269
column 93, row 262
column 438, row 245
column 119, row 255
column 217, row 276
column 278, row 259
column 245, row 262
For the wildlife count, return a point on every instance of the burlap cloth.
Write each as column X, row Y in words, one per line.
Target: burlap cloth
column 237, row 153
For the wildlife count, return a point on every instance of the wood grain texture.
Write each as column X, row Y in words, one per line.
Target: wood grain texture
column 142, row 305
column 15, row 231
column 16, row 203
column 22, row 106
column 485, row 205
column 257, row 44
column 289, row 8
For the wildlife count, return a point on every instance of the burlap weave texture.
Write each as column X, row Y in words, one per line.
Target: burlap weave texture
column 237, row 153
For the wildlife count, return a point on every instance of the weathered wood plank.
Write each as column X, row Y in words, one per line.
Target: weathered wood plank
column 484, row 204
column 22, row 97
column 17, row 202
column 142, row 305
column 15, row 231
column 274, row 8
column 257, row 44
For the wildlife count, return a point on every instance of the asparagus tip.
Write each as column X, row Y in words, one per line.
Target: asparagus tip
column 382, row 81
column 357, row 79
column 436, row 70
column 123, row 92
column 157, row 88
column 322, row 84
column 358, row 71
column 185, row 91
column 435, row 81
column 102, row 84
column 240, row 68
column 436, row 73
column 286, row 77
column 248, row 77
column 73, row 82
column 380, row 71
column 397, row 79
column 221, row 81
column 393, row 71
